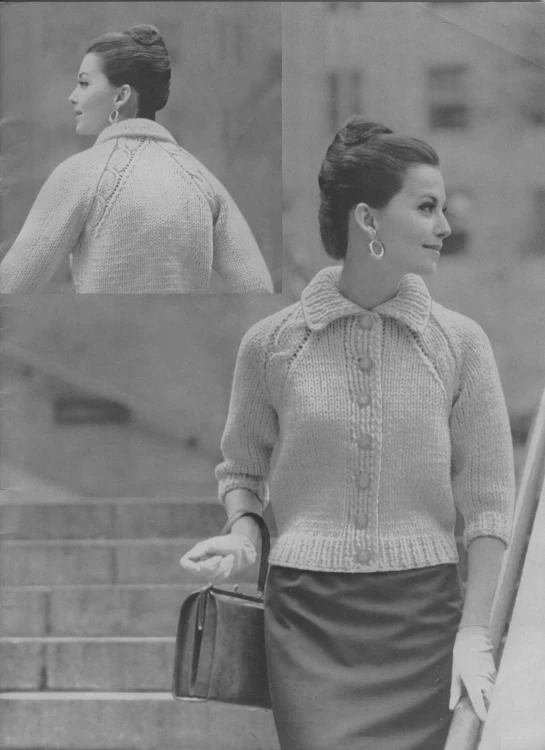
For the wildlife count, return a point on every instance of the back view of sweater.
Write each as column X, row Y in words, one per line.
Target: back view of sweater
column 136, row 213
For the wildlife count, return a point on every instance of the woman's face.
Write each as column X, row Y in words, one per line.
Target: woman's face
column 412, row 226
column 93, row 98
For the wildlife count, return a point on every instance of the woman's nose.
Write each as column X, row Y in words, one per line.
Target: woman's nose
column 72, row 98
column 443, row 229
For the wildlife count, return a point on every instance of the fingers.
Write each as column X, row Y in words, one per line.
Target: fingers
column 455, row 691
column 218, row 558
column 213, row 569
column 476, row 696
column 201, row 551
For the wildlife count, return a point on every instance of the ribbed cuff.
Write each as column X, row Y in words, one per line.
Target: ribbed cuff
column 489, row 523
column 244, row 482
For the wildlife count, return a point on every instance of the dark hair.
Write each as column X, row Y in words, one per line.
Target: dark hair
column 365, row 163
column 137, row 57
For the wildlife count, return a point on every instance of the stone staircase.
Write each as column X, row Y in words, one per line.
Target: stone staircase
column 90, row 592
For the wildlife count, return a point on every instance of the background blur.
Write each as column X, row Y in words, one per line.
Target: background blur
column 112, row 410
column 105, row 396
column 470, row 79
column 224, row 106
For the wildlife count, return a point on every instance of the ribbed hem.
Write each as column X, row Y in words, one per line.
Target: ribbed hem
column 306, row 551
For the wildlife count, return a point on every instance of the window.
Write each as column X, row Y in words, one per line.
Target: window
column 334, row 7
column 459, row 203
column 533, row 92
column 344, row 96
column 447, row 86
column 232, row 42
column 536, row 244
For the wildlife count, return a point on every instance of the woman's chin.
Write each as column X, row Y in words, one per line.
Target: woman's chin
column 425, row 269
column 82, row 129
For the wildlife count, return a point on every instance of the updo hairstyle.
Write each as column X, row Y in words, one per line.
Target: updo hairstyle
column 365, row 163
column 137, row 57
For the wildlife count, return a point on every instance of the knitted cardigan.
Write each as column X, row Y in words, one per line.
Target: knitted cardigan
column 137, row 214
column 368, row 428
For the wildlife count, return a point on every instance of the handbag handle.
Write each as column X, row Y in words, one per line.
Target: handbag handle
column 265, row 543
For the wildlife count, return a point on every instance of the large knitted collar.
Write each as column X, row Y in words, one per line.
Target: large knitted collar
column 135, row 127
column 323, row 303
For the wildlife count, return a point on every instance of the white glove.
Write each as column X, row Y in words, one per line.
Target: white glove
column 473, row 667
column 220, row 557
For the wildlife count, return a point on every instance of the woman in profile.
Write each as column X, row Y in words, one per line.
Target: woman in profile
column 368, row 414
column 135, row 213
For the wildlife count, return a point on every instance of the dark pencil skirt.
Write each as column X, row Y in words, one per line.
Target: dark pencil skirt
column 361, row 661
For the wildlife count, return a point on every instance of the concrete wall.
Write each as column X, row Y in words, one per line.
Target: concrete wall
column 171, row 357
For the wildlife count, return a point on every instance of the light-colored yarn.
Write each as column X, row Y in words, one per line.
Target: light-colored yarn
column 367, row 438
column 137, row 214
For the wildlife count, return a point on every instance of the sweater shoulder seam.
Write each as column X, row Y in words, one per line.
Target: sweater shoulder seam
column 196, row 174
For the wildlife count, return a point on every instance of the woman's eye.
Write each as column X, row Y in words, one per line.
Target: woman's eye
column 83, row 84
column 428, row 207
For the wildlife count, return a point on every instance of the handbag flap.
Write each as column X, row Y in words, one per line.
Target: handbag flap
column 193, row 642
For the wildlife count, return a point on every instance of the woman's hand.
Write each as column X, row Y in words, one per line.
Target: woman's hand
column 220, row 557
column 473, row 667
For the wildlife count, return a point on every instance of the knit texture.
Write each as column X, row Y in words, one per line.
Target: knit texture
column 137, row 214
column 366, row 429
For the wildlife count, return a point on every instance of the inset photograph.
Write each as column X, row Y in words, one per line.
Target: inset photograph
column 141, row 147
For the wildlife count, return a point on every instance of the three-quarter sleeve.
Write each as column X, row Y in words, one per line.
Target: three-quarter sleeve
column 237, row 257
column 51, row 230
column 252, row 424
column 482, row 451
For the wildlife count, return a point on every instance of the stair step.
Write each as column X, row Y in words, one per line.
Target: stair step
column 127, row 518
column 98, row 610
column 105, row 664
column 129, row 721
column 56, row 562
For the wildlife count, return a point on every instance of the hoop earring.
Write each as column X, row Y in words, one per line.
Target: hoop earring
column 374, row 253
column 113, row 117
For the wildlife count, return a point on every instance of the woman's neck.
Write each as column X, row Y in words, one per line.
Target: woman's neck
column 367, row 282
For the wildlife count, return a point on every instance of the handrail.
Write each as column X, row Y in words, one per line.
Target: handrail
column 465, row 725
column 516, row 715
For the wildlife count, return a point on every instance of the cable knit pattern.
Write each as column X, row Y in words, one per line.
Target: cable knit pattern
column 137, row 214
column 368, row 428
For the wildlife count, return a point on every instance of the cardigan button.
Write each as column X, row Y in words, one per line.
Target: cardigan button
column 364, row 399
column 365, row 441
column 366, row 322
column 363, row 555
column 361, row 520
column 362, row 480
column 365, row 362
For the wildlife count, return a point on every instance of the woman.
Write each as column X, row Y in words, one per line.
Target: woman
column 370, row 413
column 136, row 212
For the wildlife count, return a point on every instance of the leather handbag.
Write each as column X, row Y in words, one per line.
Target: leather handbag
column 220, row 641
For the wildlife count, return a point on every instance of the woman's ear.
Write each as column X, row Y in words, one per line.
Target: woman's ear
column 364, row 218
column 123, row 95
